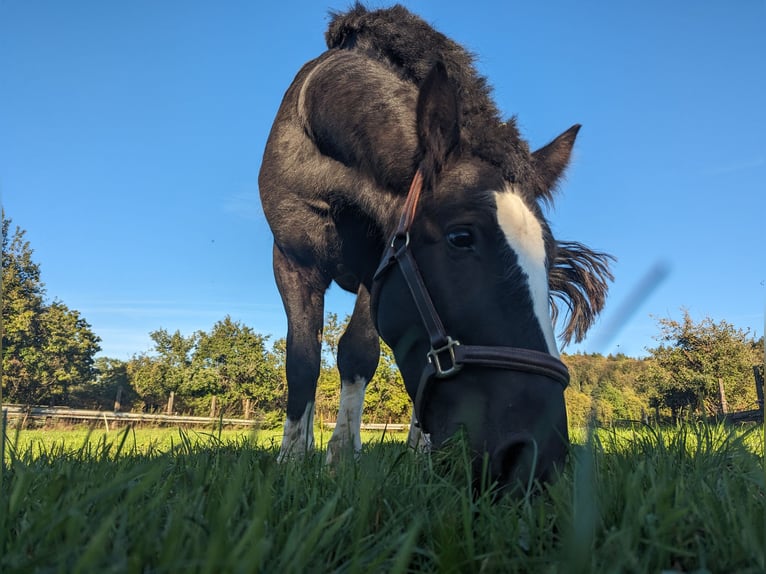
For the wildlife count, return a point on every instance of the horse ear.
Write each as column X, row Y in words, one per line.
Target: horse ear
column 438, row 122
column 551, row 160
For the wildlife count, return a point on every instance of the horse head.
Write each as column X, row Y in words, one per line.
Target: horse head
column 472, row 326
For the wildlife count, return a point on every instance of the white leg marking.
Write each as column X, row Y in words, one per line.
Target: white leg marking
column 298, row 436
column 524, row 234
column 349, row 422
column 416, row 438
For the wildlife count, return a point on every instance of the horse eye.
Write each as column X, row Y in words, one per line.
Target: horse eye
column 461, row 238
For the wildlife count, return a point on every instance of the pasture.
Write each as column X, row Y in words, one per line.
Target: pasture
column 687, row 499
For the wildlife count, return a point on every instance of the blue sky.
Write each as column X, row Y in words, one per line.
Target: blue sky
column 131, row 137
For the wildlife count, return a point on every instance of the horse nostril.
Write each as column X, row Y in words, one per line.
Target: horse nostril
column 515, row 460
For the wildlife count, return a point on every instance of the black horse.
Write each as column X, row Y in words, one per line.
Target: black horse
column 389, row 171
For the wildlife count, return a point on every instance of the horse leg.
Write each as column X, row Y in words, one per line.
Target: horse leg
column 302, row 289
column 358, row 355
column 416, row 438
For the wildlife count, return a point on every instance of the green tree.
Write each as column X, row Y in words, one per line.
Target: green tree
column 609, row 388
column 579, row 406
column 386, row 399
column 693, row 357
column 168, row 369
column 146, row 373
column 47, row 348
column 331, row 333
column 328, row 384
column 23, row 295
column 233, row 363
column 68, row 348
column 110, row 381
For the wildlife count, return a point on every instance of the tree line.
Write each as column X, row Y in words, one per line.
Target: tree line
column 49, row 357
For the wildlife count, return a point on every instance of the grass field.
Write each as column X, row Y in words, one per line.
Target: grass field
column 688, row 499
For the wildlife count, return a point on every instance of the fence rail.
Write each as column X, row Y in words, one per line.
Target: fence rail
column 40, row 412
column 377, row 426
column 65, row 413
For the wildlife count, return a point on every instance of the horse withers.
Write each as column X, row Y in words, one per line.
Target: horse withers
column 389, row 171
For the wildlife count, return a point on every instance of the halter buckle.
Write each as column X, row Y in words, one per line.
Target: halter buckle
column 445, row 352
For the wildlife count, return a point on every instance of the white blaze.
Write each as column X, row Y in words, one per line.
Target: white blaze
column 525, row 237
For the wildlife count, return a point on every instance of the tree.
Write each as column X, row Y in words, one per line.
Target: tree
column 232, row 362
column 23, row 295
column 579, row 406
column 327, row 397
column 146, row 374
column 68, row 348
column 331, row 333
column 386, row 399
column 109, row 382
column 155, row 377
column 691, row 360
column 46, row 348
column 610, row 388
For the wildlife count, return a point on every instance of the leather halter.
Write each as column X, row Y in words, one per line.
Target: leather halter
column 447, row 355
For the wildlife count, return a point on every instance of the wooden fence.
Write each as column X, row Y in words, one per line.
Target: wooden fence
column 396, row 427
column 754, row 415
column 64, row 413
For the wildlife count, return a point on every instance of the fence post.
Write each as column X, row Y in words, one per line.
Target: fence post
column 212, row 406
column 117, row 399
column 722, row 397
column 247, row 407
column 170, row 402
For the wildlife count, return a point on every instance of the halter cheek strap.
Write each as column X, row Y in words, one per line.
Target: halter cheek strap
column 447, row 355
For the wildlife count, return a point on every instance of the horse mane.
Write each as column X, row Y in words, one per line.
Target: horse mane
column 412, row 47
column 578, row 278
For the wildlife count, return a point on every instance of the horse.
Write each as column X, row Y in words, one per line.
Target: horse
column 389, row 171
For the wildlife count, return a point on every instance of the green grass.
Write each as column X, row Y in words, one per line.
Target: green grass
column 152, row 440
column 135, row 440
column 689, row 499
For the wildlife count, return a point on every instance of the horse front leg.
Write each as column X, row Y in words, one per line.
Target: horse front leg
column 358, row 355
column 416, row 438
column 302, row 289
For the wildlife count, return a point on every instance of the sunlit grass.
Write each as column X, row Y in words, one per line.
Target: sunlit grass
column 154, row 440
column 683, row 499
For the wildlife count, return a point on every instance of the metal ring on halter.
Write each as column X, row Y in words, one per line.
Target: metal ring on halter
column 449, row 349
column 399, row 236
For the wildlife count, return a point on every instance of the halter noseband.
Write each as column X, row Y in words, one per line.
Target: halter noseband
column 447, row 355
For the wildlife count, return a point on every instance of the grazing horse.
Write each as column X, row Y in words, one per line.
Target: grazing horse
column 389, row 171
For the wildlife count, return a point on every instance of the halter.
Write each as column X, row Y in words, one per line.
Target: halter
column 447, row 355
